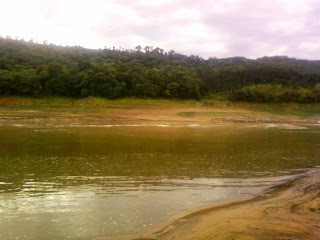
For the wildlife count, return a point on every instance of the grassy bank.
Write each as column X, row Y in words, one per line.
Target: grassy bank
column 52, row 102
column 295, row 109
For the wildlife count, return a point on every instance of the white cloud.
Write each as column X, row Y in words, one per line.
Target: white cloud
column 154, row 2
column 219, row 28
column 185, row 13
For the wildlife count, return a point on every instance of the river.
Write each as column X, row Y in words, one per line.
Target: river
column 59, row 182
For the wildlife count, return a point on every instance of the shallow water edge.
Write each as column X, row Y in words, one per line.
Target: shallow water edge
column 300, row 190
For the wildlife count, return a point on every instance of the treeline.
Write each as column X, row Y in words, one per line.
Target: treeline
column 28, row 68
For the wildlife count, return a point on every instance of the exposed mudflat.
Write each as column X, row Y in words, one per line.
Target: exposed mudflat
column 58, row 112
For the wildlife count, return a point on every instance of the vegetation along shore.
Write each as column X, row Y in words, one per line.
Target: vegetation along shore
column 28, row 68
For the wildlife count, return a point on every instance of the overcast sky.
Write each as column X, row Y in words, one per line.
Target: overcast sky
column 209, row 28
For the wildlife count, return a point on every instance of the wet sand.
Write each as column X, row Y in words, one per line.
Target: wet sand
column 290, row 211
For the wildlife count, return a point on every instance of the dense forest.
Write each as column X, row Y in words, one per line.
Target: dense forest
column 28, row 68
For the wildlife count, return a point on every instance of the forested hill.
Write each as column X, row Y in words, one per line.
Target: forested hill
column 27, row 68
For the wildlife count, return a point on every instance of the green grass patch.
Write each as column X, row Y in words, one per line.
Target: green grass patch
column 207, row 114
column 89, row 104
column 144, row 103
column 293, row 109
column 54, row 102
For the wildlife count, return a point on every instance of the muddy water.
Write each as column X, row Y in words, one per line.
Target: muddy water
column 84, row 182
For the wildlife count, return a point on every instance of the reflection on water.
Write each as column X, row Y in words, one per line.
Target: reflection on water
column 86, row 182
column 118, row 205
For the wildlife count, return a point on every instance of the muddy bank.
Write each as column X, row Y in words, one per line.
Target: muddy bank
column 288, row 212
column 168, row 118
column 43, row 112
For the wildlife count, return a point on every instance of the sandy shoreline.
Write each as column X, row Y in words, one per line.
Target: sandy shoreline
column 289, row 211
column 292, row 213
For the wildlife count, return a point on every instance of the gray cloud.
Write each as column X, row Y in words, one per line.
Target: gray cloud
column 257, row 28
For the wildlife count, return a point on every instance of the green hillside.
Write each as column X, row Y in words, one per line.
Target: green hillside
column 28, row 68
